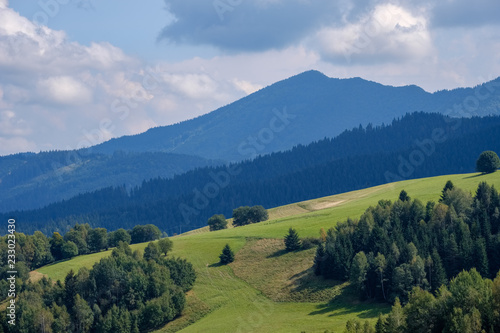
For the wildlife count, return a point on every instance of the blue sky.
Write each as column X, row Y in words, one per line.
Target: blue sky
column 78, row 72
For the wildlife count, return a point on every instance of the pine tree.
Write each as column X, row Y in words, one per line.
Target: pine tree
column 292, row 241
column 438, row 274
column 227, row 255
column 319, row 259
column 381, row 324
column 449, row 186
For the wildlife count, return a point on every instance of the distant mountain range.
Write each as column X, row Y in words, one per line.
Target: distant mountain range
column 299, row 110
column 417, row 145
column 296, row 111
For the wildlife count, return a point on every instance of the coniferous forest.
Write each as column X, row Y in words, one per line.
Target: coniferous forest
column 358, row 158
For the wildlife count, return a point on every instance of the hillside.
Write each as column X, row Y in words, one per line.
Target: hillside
column 301, row 109
column 356, row 159
column 29, row 181
column 229, row 297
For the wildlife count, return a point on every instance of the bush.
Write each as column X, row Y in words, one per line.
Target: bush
column 217, row 222
column 310, row 242
column 487, row 162
column 246, row 215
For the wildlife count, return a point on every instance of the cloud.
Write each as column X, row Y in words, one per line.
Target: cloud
column 463, row 13
column 246, row 25
column 64, row 90
column 389, row 33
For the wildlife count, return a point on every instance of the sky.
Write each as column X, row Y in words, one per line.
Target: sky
column 74, row 73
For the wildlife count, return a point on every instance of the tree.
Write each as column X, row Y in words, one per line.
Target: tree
column 448, row 186
column 145, row 233
column 227, row 255
column 120, row 235
column 359, row 268
column 396, row 318
column 292, row 241
column 258, row 214
column 380, row 265
column 245, row 215
column 97, row 239
column 403, row 196
column 165, row 245
column 83, row 315
column 319, row 259
column 152, row 251
column 69, row 249
column 56, row 244
column 217, row 222
column 487, row 162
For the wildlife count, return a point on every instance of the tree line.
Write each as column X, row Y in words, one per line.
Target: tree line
column 126, row 292
column 397, row 246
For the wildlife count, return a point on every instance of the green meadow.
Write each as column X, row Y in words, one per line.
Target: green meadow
column 266, row 289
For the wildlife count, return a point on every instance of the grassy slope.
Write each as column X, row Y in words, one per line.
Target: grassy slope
column 233, row 299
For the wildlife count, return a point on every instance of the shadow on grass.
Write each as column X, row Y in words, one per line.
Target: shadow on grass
column 277, row 254
column 478, row 175
column 217, row 264
column 365, row 310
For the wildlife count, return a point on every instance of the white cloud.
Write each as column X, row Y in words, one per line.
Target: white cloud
column 389, row 33
column 64, row 90
column 246, row 86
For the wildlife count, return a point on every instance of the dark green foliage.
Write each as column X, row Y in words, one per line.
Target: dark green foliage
column 97, row 239
column 217, row 222
column 487, row 162
column 292, row 240
column 120, row 235
column 181, row 272
column 309, row 242
column 447, row 187
column 69, row 250
column 56, row 244
column 227, row 255
column 152, row 251
column 469, row 304
column 247, row 215
column 403, row 196
column 165, row 245
column 319, row 259
column 145, row 233
column 121, row 293
column 406, row 245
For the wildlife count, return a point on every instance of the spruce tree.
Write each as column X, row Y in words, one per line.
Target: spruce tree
column 292, row 241
column 319, row 259
column 227, row 255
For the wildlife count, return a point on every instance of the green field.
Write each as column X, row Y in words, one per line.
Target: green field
column 259, row 292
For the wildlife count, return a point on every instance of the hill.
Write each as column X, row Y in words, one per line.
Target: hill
column 299, row 110
column 356, row 159
column 227, row 298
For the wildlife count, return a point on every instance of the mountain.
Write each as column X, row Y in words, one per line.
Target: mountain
column 299, row 110
column 417, row 145
column 296, row 111
column 29, row 181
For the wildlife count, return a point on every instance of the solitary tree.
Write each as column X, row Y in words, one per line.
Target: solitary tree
column 292, row 241
column 487, row 162
column 165, row 245
column 227, row 255
column 217, row 222
column 403, row 196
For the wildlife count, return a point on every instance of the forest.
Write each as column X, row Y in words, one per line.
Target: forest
column 126, row 292
column 397, row 246
column 356, row 159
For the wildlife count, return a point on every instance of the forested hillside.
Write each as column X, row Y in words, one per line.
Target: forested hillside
column 418, row 145
column 29, row 181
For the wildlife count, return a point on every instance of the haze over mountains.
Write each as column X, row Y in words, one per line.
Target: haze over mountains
column 299, row 110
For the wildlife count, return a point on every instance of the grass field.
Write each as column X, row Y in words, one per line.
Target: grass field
column 258, row 292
